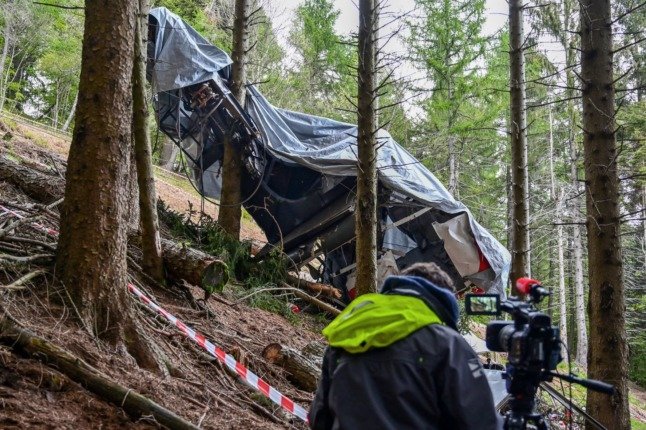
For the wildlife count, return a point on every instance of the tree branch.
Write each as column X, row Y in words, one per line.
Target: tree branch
column 60, row 6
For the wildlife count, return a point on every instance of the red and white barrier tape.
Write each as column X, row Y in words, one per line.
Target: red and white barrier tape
column 38, row 226
column 249, row 377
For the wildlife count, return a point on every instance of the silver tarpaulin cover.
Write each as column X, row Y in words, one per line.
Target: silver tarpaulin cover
column 183, row 58
column 330, row 147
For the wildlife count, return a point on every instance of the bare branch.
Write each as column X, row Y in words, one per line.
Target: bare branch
column 553, row 102
column 628, row 12
column 60, row 6
column 629, row 45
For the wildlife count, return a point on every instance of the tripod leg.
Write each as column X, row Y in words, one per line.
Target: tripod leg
column 540, row 424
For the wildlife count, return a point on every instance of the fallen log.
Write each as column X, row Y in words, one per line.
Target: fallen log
column 313, row 300
column 314, row 287
column 79, row 371
column 195, row 267
column 39, row 186
column 315, row 351
column 301, row 371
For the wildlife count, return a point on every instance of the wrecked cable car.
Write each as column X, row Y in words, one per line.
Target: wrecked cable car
column 299, row 173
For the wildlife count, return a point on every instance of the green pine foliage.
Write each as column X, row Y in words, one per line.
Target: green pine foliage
column 41, row 68
column 320, row 80
column 206, row 235
column 258, row 278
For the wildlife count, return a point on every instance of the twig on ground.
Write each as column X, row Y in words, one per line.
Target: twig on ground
column 264, row 290
column 53, row 161
column 17, row 223
column 50, row 246
column 18, row 284
column 40, row 258
column 12, row 249
column 207, row 408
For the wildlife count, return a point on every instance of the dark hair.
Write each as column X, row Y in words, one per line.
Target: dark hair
column 431, row 272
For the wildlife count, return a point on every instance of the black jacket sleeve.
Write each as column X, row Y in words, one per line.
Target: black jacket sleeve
column 463, row 388
column 320, row 416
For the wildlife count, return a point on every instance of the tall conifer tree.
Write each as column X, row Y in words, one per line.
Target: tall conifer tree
column 608, row 347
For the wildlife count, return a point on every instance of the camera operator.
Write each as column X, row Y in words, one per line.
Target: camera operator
column 396, row 361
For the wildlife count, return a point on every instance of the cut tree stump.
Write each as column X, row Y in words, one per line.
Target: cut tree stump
column 79, row 371
column 195, row 267
column 44, row 188
column 301, row 371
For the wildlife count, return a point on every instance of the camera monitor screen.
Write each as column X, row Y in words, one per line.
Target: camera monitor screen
column 482, row 304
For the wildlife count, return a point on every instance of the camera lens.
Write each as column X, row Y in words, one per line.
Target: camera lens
column 504, row 337
column 494, row 339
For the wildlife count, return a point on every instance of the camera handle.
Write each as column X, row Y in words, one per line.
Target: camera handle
column 592, row 384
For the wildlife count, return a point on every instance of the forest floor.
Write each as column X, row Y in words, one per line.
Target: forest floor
column 198, row 387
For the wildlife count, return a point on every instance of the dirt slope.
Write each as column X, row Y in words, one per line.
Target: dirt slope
column 196, row 387
column 174, row 189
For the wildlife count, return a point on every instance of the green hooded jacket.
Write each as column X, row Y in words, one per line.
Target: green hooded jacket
column 378, row 320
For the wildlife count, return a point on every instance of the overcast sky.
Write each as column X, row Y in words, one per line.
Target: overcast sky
column 348, row 21
column 282, row 14
column 496, row 13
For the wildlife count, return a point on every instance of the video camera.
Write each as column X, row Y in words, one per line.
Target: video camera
column 533, row 347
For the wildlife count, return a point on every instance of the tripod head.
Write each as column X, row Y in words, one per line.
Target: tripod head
column 533, row 347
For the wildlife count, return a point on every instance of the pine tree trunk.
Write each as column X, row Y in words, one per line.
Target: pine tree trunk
column 453, row 168
column 644, row 224
column 510, row 216
column 571, row 330
column 133, row 191
column 579, row 298
column 231, row 198
column 551, row 141
column 561, row 264
column 579, row 320
column 577, row 247
column 577, row 241
column 194, row 266
column 3, row 59
column 301, row 370
column 91, row 256
column 366, row 212
column 70, row 116
column 152, row 262
column 56, row 106
column 608, row 353
column 41, row 187
column 520, row 265
column 230, row 209
column 555, row 200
